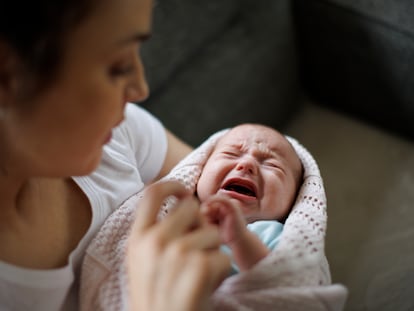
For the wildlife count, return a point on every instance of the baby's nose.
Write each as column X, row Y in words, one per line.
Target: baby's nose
column 248, row 165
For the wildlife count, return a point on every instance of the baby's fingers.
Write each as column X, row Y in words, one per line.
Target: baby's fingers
column 211, row 212
column 218, row 208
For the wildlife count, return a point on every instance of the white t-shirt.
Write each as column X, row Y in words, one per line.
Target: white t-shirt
column 133, row 157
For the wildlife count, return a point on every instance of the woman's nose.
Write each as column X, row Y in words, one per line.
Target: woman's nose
column 247, row 165
column 137, row 89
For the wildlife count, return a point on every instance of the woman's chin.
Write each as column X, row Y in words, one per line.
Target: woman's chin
column 89, row 166
column 108, row 138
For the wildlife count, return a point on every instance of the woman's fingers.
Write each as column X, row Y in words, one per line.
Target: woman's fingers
column 203, row 238
column 194, row 267
column 183, row 218
column 213, row 265
column 153, row 197
column 203, row 273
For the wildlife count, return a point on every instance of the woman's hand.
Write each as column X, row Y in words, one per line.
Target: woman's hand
column 174, row 264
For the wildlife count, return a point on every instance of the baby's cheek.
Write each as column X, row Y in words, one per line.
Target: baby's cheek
column 202, row 191
column 271, row 206
column 208, row 185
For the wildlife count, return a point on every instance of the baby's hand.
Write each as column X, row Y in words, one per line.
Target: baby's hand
column 225, row 213
column 246, row 247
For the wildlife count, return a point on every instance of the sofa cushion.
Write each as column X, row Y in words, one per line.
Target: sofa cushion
column 180, row 29
column 397, row 14
column 245, row 72
column 357, row 57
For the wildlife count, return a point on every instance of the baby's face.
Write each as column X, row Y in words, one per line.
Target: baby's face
column 256, row 166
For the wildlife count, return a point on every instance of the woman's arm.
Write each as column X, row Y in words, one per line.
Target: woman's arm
column 177, row 150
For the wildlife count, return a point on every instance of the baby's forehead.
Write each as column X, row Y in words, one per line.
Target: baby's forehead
column 267, row 140
column 254, row 135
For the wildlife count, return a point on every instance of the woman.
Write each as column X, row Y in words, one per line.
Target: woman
column 65, row 80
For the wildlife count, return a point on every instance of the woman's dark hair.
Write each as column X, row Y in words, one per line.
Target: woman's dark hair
column 36, row 31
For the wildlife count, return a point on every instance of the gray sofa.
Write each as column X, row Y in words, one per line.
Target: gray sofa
column 213, row 64
column 357, row 56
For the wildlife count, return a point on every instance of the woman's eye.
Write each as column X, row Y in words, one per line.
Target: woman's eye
column 121, row 70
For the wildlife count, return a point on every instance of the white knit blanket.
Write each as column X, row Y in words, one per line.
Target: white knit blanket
column 294, row 276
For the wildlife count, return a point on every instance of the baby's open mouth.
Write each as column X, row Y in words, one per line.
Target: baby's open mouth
column 240, row 186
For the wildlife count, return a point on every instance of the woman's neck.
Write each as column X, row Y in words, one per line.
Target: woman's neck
column 10, row 189
column 43, row 222
column 25, row 199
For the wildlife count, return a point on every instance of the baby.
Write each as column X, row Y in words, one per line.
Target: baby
column 258, row 174
column 247, row 178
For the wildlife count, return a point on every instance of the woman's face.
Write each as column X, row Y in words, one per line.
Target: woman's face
column 255, row 166
column 70, row 122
